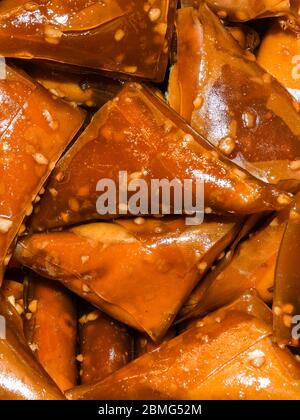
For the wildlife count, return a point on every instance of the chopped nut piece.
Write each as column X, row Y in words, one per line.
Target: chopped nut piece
column 154, row 14
column 84, row 259
column 284, row 199
column 130, row 69
column 11, row 300
column 295, row 165
column 227, row 145
column 288, row 308
column 79, row 358
column 40, row 159
column 257, row 358
column 119, row 35
column 53, row 192
column 52, row 35
column 33, row 346
column 5, row 225
column 249, row 119
column 7, row 259
column 33, row 306
column 86, row 288
column 287, row 320
column 202, row 266
column 139, row 221
column 277, row 310
column 92, row 316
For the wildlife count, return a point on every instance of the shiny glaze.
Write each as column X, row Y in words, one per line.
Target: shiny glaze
column 219, row 88
column 21, row 376
column 152, row 258
column 105, row 346
column 231, row 358
column 51, row 329
column 34, row 131
column 119, row 36
column 138, row 133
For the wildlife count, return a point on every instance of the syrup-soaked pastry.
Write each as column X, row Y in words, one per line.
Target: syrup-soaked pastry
column 230, row 357
column 248, row 302
column 105, row 346
column 279, row 55
column 34, row 131
column 50, row 326
column 138, row 134
column 138, row 271
column 229, row 99
column 251, row 266
column 21, row 376
column 120, row 36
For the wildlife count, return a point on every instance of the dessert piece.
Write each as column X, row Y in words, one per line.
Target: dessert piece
column 35, row 129
column 231, row 358
column 105, row 346
column 51, row 328
column 229, row 99
column 138, row 271
column 21, row 376
column 119, row 36
column 138, row 135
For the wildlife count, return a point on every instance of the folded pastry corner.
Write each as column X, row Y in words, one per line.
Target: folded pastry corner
column 138, row 271
column 239, row 270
